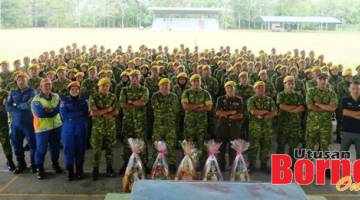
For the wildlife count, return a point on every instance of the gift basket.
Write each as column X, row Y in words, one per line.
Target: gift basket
column 160, row 169
column 135, row 169
column 186, row 169
column 239, row 171
column 212, row 170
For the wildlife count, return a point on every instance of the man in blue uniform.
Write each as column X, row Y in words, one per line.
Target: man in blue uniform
column 47, row 125
column 74, row 112
column 18, row 105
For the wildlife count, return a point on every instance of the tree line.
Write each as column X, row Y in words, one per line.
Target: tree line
column 134, row 13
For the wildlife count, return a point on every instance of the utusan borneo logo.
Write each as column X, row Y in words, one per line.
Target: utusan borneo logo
column 310, row 166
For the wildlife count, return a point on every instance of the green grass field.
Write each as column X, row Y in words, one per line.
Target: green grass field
column 340, row 48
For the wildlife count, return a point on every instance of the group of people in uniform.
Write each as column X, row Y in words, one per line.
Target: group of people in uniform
column 82, row 96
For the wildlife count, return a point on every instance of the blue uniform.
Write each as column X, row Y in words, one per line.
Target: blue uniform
column 47, row 124
column 74, row 112
column 18, row 104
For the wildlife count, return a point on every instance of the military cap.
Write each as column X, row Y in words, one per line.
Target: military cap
column 230, row 83
column 104, row 81
column 60, row 68
column 33, row 66
column 308, row 70
column 316, row 69
column 182, row 75
column 195, row 77
column 124, row 73
column 259, row 84
column 262, row 72
column 72, row 70
column 79, row 74
column 293, row 68
column 278, row 66
column 103, row 71
column 347, row 72
column 92, row 68
column 84, row 65
column 206, row 67
column 334, row 67
column 4, row 62
column 243, row 74
column 322, row 76
column 51, row 72
column 289, row 78
column 134, row 72
column 163, row 81
column 144, row 66
column 73, row 84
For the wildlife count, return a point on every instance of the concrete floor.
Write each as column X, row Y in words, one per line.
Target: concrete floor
column 56, row 187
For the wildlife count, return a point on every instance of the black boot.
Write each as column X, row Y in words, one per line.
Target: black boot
column 79, row 172
column 57, row 168
column 10, row 163
column 40, row 173
column 95, row 173
column 71, row 175
column 110, row 171
column 20, row 168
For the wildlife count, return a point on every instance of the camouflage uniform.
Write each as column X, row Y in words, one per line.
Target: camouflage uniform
column 211, row 85
column 103, row 128
column 260, row 130
column 134, row 119
column 152, row 85
column 342, row 90
column 196, row 123
column 179, row 90
column 289, row 124
column 318, row 126
column 34, row 83
column 60, row 87
column 4, row 126
column 165, row 116
column 245, row 92
column 6, row 78
column 88, row 87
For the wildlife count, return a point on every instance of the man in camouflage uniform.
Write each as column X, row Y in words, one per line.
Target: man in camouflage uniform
column 291, row 106
column 133, row 100
column 34, row 80
column 270, row 89
column 196, row 102
column 6, row 76
column 210, row 84
column 165, row 105
column 321, row 103
column 4, row 132
column 229, row 110
column 103, row 107
column 180, row 86
column 357, row 76
column 89, row 85
column 60, row 84
column 262, row 110
column 279, row 85
column 151, row 83
column 244, row 90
